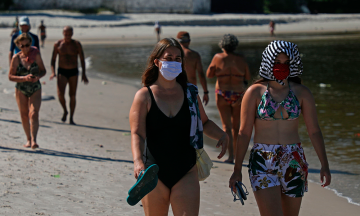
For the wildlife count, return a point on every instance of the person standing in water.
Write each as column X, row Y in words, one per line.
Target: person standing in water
column 232, row 74
column 271, row 107
column 26, row 69
column 68, row 51
column 193, row 64
column 157, row 30
column 41, row 30
column 272, row 28
column 24, row 23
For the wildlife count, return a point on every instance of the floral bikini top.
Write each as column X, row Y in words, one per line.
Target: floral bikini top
column 268, row 107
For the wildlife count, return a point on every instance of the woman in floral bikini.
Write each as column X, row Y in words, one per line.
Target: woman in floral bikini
column 277, row 165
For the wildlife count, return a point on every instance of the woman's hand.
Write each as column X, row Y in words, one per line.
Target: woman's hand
column 138, row 167
column 28, row 78
column 235, row 177
column 35, row 79
column 325, row 172
column 224, row 142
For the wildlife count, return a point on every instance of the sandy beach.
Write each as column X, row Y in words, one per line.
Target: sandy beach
column 87, row 169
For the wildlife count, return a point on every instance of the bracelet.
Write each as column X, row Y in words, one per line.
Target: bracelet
column 206, row 92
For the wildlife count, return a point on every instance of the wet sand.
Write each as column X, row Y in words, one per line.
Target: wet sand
column 87, row 169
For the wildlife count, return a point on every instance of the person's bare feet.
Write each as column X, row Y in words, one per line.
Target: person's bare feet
column 63, row 119
column 34, row 145
column 28, row 144
column 72, row 121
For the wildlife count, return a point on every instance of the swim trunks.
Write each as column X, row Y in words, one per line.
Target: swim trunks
column 279, row 165
column 68, row 72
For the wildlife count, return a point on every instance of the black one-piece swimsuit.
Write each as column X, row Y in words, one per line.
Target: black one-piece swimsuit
column 168, row 141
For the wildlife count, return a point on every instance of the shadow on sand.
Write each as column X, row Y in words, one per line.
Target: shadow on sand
column 88, row 126
column 18, row 122
column 50, row 152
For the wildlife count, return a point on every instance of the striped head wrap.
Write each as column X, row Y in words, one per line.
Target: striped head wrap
column 272, row 51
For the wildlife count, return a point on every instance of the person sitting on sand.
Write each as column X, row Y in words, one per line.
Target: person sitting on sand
column 232, row 74
column 193, row 64
column 68, row 51
column 272, row 105
column 160, row 114
column 26, row 68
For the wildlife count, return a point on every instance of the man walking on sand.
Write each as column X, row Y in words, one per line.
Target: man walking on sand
column 193, row 64
column 42, row 31
column 68, row 50
column 24, row 28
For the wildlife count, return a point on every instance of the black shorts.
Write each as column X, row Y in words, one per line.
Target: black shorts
column 68, row 72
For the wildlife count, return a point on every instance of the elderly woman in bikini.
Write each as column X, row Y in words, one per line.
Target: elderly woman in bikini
column 272, row 106
column 26, row 69
column 232, row 74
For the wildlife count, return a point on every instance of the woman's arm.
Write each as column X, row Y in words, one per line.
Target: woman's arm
column 210, row 73
column 314, row 131
column 12, row 72
column 248, row 109
column 40, row 63
column 137, row 119
column 213, row 131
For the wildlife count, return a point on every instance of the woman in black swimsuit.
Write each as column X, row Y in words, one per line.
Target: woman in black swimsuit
column 26, row 69
column 160, row 115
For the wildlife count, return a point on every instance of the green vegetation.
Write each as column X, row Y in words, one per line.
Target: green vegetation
column 315, row 6
column 5, row 4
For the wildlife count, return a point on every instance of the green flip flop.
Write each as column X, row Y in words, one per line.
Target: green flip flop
column 146, row 182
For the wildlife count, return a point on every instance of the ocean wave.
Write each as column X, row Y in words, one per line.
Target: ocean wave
column 350, row 200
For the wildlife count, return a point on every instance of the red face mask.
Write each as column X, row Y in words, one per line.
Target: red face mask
column 281, row 71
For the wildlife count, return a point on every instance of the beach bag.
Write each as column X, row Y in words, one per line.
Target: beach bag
column 203, row 163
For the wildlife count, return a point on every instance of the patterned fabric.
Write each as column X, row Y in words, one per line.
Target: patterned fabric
column 229, row 96
column 196, row 128
column 28, row 88
column 279, row 165
column 268, row 107
column 272, row 51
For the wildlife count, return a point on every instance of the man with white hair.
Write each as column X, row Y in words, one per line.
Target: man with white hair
column 24, row 28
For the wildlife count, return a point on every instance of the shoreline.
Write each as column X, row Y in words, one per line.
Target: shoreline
column 94, row 180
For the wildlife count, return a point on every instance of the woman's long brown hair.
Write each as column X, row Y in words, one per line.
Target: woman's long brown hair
column 151, row 72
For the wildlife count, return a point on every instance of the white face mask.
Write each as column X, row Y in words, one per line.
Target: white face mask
column 170, row 69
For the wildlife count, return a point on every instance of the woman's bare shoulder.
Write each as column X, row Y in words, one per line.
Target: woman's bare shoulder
column 300, row 90
column 256, row 89
column 142, row 96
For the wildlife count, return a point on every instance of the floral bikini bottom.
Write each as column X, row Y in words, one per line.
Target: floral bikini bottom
column 229, row 96
column 279, row 165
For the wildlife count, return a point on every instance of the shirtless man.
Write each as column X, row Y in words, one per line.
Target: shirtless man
column 193, row 64
column 68, row 50
column 232, row 74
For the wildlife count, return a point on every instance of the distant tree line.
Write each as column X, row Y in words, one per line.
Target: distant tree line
column 269, row 6
column 314, row 6
column 5, row 4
